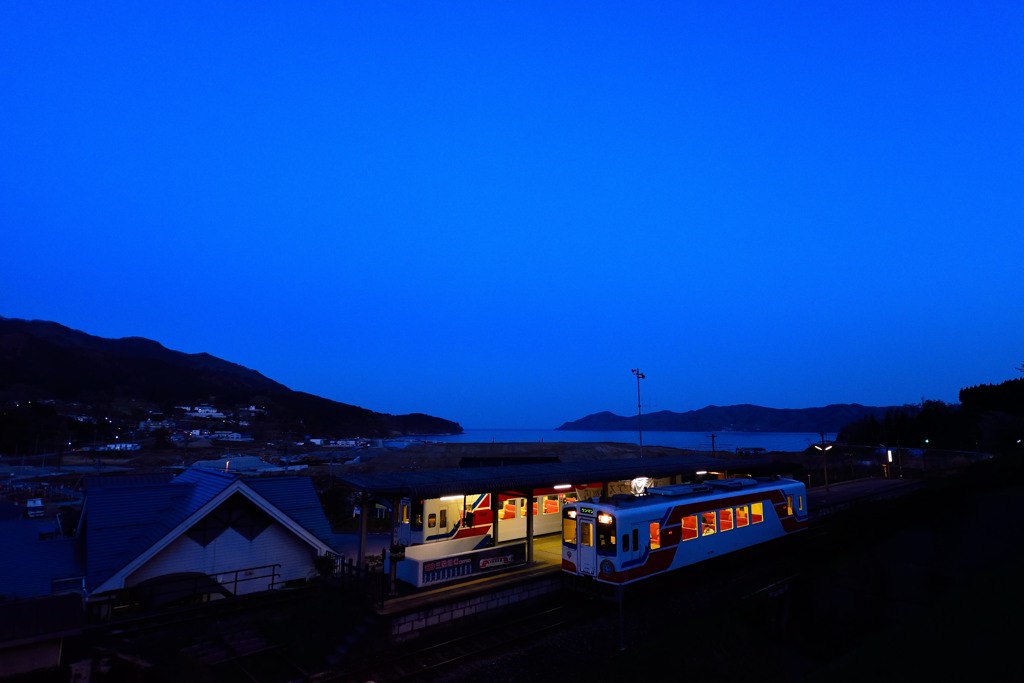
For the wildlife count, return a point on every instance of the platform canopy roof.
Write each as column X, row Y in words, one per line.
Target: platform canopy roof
column 467, row 480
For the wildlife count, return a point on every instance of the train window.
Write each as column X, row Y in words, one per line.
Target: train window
column 569, row 531
column 444, row 517
column 417, row 515
column 725, row 519
column 431, row 520
column 625, row 543
column 789, row 505
column 756, row 513
column 587, row 534
column 707, row 523
column 550, row 505
column 636, row 539
column 655, row 535
column 689, row 527
column 405, row 512
column 742, row 516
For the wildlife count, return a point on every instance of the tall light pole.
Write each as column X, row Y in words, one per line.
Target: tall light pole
column 639, row 376
column 824, row 448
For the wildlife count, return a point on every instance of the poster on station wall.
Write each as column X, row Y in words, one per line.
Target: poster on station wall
column 472, row 563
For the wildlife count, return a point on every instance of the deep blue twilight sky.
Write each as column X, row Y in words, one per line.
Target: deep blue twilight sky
column 492, row 211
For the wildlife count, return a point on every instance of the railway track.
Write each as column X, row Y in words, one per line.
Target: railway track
column 441, row 660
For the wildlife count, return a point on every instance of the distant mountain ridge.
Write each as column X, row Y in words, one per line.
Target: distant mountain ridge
column 737, row 418
column 47, row 360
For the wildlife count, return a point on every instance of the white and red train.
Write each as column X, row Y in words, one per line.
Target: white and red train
column 626, row 538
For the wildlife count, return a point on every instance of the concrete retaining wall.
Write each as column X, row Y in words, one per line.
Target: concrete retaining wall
column 410, row 625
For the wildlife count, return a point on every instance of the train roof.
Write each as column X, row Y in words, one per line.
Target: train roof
column 447, row 482
column 712, row 488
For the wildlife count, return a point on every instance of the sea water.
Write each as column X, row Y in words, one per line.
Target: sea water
column 701, row 441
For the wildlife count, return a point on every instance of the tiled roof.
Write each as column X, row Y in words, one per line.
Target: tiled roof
column 122, row 522
column 295, row 497
column 457, row 481
column 93, row 482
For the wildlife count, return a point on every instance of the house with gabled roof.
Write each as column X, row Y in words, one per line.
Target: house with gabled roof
column 244, row 534
column 146, row 541
column 203, row 531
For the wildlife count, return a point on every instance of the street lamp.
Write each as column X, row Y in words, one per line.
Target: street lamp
column 639, row 376
column 824, row 448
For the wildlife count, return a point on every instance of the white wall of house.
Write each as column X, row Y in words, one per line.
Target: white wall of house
column 230, row 552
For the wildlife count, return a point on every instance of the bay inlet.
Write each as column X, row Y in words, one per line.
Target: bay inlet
column 700, row 441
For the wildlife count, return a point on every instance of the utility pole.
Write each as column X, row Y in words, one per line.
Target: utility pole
column 824, row 448
column 639, row 376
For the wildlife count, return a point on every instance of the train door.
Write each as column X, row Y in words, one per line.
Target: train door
column 512, row 519
column 587, row 548
column 403, row 531
column 632, row 547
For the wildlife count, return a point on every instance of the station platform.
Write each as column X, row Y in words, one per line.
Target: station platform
column 546, row 564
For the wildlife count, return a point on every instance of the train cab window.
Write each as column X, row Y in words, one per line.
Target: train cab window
column 742, row 516
column 444, row 517
column 655, row 535
column 756, row 513
column 625, row 543
column 431, row 520
column 707, row 523
column 689, row 527
column 569, row 531
column 606, row 540
column 725, row 519
column 605, row 534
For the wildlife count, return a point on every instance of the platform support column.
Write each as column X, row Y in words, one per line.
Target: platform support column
column 396, row 520
column 495, row 514
column 364, row 523
column 529, row 525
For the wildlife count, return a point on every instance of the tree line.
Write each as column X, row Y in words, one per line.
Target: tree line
column 989, row 418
